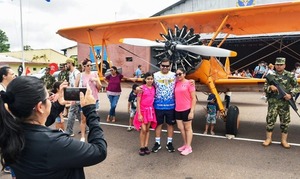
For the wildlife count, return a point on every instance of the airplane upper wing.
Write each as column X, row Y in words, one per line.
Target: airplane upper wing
column 262, row 19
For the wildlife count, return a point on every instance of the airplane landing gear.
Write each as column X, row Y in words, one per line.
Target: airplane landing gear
column 232, row 120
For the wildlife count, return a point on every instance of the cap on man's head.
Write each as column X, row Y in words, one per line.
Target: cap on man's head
column 70, row 60
column 280, row 61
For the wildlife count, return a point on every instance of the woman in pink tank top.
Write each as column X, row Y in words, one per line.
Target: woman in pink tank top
column 82, row 80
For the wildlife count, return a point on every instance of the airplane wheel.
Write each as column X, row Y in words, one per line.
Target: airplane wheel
column 232, row 121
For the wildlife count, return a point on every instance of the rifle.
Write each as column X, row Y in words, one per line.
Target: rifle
column 282, row 93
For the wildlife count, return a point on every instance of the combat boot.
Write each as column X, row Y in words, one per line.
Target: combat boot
column 284, row 143
column 268, row 141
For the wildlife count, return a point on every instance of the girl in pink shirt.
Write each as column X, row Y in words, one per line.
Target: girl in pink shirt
column 145, row 114
column 185, row 101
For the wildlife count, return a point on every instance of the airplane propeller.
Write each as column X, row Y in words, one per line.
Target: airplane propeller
column 182, row 46
column 197, row 49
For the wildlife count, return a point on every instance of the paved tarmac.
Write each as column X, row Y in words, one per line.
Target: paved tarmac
column 212, row 157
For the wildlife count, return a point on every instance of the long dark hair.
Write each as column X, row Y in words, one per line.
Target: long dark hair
column 115, row 68
column 3, row 71
column 85, row 61
column 21, row 96
column 55, row 87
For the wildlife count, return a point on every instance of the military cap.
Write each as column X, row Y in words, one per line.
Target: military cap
column 280, row 61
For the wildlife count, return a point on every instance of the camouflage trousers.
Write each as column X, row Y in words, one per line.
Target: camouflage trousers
column 278, row 107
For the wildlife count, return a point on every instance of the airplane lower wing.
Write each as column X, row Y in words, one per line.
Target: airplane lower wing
column 238, row 84
column 223, row 85
column 235, row 85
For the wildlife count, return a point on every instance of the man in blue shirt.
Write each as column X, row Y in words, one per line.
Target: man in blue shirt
column 138, row 72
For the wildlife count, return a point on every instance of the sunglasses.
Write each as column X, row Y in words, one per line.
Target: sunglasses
column 178, row 74
column 87, row 65
column 165, row 66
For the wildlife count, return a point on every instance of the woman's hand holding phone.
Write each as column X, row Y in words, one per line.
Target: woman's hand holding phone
column 87, row 98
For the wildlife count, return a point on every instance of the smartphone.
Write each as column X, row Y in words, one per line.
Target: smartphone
column 72, row 94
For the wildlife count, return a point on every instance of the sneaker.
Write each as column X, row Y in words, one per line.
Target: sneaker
column 205, row 132
column 170, row 147
column 212, row 132
column 7, row 170
column 156, row 147
column 142, row 152
column 82, row 139
column 180, row 149
column 129, row 128
column 147, row 151
column 187, row 151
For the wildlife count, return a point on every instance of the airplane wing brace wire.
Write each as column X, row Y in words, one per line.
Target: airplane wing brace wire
column 139, row 57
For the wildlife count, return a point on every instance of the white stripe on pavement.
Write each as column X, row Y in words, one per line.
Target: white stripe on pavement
column 206, row 135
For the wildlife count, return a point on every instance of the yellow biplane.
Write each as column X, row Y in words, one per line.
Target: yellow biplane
column 186, row 50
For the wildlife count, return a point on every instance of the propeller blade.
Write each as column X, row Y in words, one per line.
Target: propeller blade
column 207, row 50
column 197, row 49
column 141, row 42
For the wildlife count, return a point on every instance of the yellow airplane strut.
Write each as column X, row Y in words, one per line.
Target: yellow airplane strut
column 93, row 50
column 218, row 31
column 203, row 73
column 163, row 27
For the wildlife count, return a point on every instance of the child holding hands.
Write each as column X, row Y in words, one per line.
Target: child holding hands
column 145, row 114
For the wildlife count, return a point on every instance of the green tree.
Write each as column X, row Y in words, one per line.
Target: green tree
column 4, row 46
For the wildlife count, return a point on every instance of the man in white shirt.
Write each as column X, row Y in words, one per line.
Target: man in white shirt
column 74, row 108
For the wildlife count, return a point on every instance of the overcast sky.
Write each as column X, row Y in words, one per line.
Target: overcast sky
column 42, row 19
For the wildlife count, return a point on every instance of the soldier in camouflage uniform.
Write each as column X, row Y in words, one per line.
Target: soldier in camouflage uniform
column 64, row 73
column 279, row 106
column 48, row 79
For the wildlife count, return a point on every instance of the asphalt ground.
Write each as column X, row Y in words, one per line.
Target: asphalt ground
column 213, row 156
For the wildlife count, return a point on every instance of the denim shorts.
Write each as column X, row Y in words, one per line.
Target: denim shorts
column 211, row 119
column 132, row 112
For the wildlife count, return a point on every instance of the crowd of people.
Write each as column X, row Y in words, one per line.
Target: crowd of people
column 30, row 105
